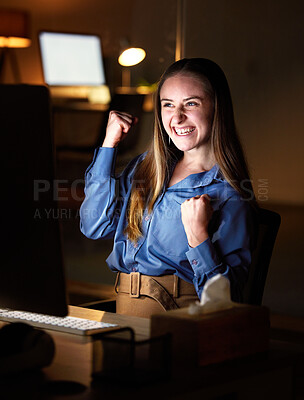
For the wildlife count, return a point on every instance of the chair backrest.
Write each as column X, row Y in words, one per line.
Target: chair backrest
column 268, row 227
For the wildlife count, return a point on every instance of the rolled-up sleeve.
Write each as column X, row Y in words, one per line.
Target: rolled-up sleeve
column 97, row 212
column 104, row 194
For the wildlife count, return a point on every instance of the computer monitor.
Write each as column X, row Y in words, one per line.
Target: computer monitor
column 72, row 63
column 32, row 271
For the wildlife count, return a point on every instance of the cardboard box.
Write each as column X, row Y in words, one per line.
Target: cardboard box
column 204, row 339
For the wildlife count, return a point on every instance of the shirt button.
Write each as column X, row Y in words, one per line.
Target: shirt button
column 194, row 262
column 147, row 217
column 134, row 269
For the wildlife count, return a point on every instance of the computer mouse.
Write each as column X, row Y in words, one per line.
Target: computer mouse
column 23, row 347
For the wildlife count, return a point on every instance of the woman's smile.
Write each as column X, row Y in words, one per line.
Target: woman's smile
column 183, row 131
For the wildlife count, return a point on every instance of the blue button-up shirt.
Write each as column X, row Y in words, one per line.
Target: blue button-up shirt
column 163, row 247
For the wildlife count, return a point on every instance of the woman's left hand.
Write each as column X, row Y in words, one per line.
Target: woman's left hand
column 196, row 215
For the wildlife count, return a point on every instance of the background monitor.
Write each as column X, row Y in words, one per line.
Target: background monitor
column 71, row 59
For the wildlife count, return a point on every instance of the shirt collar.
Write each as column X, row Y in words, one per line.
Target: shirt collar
column 201, row 179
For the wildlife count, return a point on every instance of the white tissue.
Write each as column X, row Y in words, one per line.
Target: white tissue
column 215, row 296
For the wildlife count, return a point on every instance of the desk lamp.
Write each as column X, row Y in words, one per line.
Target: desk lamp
column 129, row 57
column 13, row 34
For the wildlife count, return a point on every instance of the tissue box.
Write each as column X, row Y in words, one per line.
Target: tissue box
column 204, row 339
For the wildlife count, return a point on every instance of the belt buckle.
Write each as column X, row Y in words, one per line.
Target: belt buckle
column 134, row 277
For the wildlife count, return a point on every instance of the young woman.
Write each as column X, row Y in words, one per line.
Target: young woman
column 184, row 210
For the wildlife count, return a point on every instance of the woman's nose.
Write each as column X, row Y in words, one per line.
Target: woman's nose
column 179, row 115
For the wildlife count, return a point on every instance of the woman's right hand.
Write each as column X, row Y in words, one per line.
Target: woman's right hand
column 119, row 124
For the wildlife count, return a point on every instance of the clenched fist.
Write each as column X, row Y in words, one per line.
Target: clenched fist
column 196, row 215
column 119, row 124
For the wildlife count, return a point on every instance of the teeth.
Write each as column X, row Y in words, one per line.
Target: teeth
column 183, row 131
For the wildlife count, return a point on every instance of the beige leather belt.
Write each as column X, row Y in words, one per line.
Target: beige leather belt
column 163, row 289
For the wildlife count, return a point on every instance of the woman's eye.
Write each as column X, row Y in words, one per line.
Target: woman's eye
column 192, row 103
column 168, row 105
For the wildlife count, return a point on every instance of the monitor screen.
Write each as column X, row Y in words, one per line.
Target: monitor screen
column 71, row 59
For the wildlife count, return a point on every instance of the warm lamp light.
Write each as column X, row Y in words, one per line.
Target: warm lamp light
column 14, row 42
column 131, row 56
column 13, row 34
column 14, row 29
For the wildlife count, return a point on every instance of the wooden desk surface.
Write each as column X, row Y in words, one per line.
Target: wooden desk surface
column 74, row 354
column 141, row 326
column 265, row 376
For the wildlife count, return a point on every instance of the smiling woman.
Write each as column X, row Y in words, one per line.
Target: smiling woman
column 184, row 210
column 187, row 116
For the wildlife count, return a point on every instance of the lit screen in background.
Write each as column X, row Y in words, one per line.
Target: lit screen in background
column 70, row 59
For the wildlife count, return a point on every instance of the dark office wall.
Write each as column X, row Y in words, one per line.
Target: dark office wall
column 259, row 45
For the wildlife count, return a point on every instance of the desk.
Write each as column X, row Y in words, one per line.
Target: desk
column 74, row 355
column 268, row 376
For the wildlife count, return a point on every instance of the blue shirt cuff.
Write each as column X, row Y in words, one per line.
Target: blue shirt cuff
column 103, row 163
column 203, row 258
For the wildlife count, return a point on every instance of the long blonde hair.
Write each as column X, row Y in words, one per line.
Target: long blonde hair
column 153, row 172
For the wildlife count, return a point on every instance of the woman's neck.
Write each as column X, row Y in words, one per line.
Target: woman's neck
column 197, row 162
column 189, row 165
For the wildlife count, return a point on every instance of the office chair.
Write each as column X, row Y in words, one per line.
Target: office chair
column 268, row 227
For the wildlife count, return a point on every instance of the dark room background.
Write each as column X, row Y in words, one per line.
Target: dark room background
column 259, row 45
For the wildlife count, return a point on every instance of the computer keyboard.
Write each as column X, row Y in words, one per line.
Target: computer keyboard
column 78, row 326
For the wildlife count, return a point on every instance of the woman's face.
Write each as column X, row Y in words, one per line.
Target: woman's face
column 186, row 111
